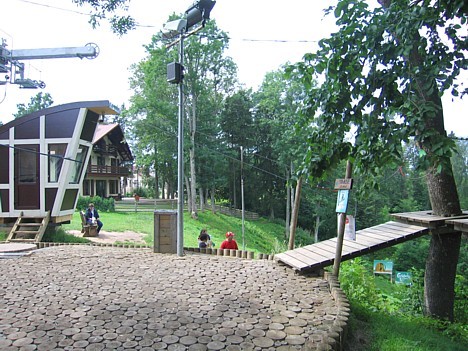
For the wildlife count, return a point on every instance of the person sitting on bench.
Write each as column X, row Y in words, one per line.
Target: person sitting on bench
column 92, row 217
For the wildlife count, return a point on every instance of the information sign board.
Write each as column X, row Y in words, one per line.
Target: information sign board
column 342, row 201
column 343, row 184
column 403, row 278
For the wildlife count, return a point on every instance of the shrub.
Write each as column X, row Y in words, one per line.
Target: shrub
column 101, row 204
column 359, row 284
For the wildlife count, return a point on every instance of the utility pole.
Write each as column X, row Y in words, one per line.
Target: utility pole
column 242, row 198
column 196, row 14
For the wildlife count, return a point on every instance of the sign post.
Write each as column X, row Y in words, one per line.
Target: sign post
column 343, row 186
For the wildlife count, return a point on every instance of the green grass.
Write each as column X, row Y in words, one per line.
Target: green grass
column 260, row 235
column 378, row 331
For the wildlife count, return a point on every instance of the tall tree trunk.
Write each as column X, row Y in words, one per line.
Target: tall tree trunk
column 156, row 174
column 444, row 249
column 213, row 208
column 156, row 185
column 189, row 203
column 316, row 229
column 193, row 177
column 202, row 199
column 441, row 263
column 295, row 213
column 288, row 205
column 234, row 187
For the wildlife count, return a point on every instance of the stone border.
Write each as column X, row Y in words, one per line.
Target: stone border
column 337, row 335
column 42, row 245
column 230, row 253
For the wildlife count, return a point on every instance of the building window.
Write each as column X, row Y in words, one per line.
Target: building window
column 101, row 188
column 56, row 154
column 27, row 166
column 86, row 188
column 78, row 164
column 113, row 187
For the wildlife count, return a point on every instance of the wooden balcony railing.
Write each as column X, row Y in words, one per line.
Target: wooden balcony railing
column 105, row 149
column 118, row 171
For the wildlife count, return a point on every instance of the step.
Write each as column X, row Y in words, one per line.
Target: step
column 23, row 240
column 33, row 232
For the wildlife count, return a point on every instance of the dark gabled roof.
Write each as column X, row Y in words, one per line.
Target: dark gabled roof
column 116, row 136
column 101, row 107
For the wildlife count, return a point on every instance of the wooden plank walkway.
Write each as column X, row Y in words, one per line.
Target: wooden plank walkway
column 459, row 224
column 367, row 240
column 426, row 218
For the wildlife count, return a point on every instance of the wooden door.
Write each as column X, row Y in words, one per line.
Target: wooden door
column 27, row 177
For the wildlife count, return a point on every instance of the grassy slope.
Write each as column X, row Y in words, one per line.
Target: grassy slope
column 260, row 235
column 377, row 331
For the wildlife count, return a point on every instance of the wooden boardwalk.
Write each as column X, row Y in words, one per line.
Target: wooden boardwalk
column 367, row 240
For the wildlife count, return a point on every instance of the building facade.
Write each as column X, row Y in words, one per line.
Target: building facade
column 110, row 164
column 44, row 157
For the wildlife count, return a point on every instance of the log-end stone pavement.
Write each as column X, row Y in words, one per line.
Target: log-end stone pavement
column 106, row 298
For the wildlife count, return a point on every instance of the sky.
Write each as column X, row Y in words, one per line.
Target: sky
column 264, row 35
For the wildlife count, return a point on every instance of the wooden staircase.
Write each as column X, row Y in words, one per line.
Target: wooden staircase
column 28, row 229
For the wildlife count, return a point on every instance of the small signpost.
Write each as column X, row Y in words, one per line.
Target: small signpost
column 343, row 186
column 383, row 267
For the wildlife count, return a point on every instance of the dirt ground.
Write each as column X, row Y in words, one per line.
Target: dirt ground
column 112, row 237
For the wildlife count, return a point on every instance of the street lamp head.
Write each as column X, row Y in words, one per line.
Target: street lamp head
column 174, row 28
column 199, row 12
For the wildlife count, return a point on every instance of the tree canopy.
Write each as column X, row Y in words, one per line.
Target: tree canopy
column 384, row 72
column 36, row 103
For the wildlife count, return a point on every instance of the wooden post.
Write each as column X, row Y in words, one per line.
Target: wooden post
column 341, row 229
column 292, row 231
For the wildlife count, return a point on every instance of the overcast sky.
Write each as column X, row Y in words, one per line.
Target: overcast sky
column 264, row 34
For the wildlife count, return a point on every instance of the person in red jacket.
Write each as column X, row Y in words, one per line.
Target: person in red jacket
column 229, row 243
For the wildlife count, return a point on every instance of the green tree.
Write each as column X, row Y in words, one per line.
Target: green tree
column 382, row 84
column 36, row 103
column 278, row 147
column 237, row 131
column 460, row 171
column 153, row 119
column 114, row 11
column 208, row 74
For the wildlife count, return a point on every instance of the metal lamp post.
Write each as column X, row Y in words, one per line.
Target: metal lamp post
column 198, row 12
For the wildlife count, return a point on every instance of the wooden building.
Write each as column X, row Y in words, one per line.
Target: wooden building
column 44, row 157
column 110, row 164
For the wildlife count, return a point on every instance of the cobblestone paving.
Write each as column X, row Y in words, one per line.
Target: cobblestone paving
column 104, row 298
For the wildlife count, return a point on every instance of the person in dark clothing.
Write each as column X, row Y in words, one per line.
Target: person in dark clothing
column 92, row 217
column 203, row 241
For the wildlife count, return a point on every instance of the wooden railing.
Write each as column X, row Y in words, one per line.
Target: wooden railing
column 146, row 205
column 235, row 212
column 108, row 170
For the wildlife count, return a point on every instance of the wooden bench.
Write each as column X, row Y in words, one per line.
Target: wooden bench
column 88, row 230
